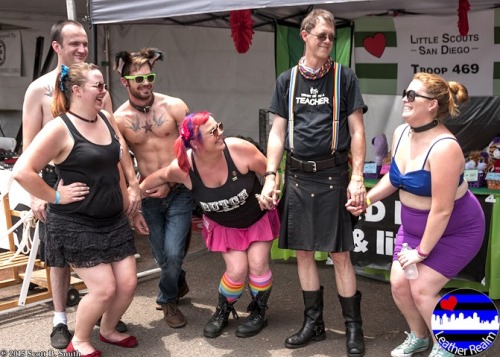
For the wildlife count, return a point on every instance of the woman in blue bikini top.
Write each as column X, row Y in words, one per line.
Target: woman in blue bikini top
column 417, row 182
column 427, row 169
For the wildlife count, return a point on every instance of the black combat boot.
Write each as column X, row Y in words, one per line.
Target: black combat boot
column 313, row 327
column 257, row 320
column 218, row 321
column 351, row 310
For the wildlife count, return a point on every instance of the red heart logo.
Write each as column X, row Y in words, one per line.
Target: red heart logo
column 449, row 304
column 375, row 44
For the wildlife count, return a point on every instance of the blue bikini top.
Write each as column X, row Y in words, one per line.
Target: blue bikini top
column 415, row 182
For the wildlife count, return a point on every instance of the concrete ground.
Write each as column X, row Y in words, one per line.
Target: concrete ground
column 26, row 332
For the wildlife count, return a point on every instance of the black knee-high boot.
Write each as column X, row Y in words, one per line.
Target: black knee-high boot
column 219, row 320
column 351, row 310
column 313, row 327
column 257, row 320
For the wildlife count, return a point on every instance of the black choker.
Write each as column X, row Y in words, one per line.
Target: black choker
column 82, row 118
column 425, row 127
column 144, row 109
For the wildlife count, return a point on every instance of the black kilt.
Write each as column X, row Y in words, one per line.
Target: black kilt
column 313, row 213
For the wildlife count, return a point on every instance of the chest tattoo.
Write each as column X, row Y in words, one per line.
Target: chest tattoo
column 148, row 124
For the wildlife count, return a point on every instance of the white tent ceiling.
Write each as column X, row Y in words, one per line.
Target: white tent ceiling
column 215, row 13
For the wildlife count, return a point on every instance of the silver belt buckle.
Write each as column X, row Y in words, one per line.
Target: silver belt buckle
column 314, row 165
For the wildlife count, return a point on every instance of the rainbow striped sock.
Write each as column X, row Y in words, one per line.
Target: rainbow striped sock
column 260, row 283
column 232, row 290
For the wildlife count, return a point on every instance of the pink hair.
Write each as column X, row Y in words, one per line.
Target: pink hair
column 189, row 131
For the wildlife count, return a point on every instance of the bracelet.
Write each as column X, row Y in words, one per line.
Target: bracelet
column 357, row 177
column 269, row 173
column 420, row 254
column 368, row 202
column 58, row 197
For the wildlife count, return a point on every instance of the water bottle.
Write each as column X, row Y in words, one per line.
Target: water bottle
column 411, row 271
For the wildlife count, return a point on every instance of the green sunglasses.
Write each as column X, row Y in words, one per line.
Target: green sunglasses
column 140, row 78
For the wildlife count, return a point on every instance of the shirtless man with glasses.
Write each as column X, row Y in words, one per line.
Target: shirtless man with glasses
column 148, row 121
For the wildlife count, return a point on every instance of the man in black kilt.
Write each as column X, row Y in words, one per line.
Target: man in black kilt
column 318, row 119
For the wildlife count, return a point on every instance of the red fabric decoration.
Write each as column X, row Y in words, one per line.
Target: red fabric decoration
column 241, row 29
column 463, row 21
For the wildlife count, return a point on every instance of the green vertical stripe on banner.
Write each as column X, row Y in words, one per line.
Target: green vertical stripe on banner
column 496, row 23
column 496, row 70
column 343, row 46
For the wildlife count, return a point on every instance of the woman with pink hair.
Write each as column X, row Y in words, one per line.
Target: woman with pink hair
column 224, row 176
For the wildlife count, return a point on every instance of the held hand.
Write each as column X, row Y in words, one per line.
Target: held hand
column 39, row 208
column 355, row 210
column 135, row 203
column 357, row 192
column 72, row 193
column 268, row 197
column 157, row 192
column 408, row 257
column 139, row 224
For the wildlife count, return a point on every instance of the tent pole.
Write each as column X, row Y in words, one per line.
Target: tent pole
column 70, row 6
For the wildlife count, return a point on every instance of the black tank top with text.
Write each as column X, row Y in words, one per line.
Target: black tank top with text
column 233, row 204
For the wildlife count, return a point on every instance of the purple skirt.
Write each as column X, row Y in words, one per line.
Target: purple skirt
column 219, row 238
column 461, row 239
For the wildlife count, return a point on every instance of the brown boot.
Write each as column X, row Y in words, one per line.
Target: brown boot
column 173, row 316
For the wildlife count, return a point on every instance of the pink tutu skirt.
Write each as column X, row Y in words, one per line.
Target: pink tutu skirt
column 219, row 238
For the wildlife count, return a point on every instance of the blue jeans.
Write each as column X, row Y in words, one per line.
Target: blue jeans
column 169, row 220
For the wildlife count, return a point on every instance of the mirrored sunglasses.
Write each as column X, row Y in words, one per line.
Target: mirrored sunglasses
column 140, row 78
column 411, row 95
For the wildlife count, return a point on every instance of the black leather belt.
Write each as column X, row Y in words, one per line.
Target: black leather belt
column 313, row 166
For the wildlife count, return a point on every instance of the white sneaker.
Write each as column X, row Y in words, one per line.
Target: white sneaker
column 411, row 345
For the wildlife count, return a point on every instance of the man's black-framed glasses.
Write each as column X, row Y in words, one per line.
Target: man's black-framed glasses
column 411, row 95
column 219, row 129
column 140, row 78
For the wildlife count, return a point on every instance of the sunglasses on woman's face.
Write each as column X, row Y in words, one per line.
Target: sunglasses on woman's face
column 219, row 129
column 411, row 95
column 140, row 78
column 100, row 86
